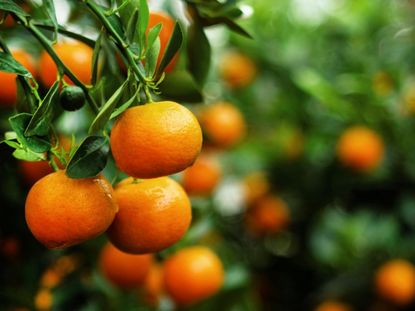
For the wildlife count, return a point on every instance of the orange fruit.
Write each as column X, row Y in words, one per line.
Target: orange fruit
column 256, row 185
column 153, row 284
column 202, row 177
column 76, row 56
column 395, row 281
column 268, row 215
column 50, row 278
column 165, row 34
column 333, row 306
column 8, row 89
column 61, row 211
column 122, row 269
column 360, row 148
column 223, row 124
column 154, row 214
column 237, row 70
column 155, row 140
column 193, row 274
column 43, row 300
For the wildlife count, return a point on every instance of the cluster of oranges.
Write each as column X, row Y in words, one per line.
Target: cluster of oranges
column 394, row 283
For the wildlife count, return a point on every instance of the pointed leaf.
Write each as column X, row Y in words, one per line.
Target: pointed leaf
column 143, row 23
column 50, row 9
column 89, row 159
column 199, row 52
column 19, row 122
column 236, row 28
column 9, row 64
column 105, row 112
column 41, row 120
column 95, row 58
column 151, row 57
column 173, row 47
column 11, row 6
column 124, row 106
column 132, row 27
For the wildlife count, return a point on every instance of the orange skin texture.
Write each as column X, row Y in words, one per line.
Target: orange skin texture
column 154, row 214
column 202, row 177
column 165, row 34
column 153, row 285
column 223, row 124
column 155, row 140
column 122, row 269
column 268, row 215
column 193, row 274
column 8, row 89
column 76, row 56
column 360, row 148
column 333, row 306
column 395, row 281
column 237, row 70
column 61, row 212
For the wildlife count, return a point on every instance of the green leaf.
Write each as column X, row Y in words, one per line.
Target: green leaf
column 41, row 120
column 95, row 58
column 50, row 9
column 9, row 64
column 19, row 123
column 26, row 101
column 151, row 57
column 11, row 6
column 153, row 34
column 180, row 86
column 27, row 155
column 114, row 20
column 173, row 47
column 124, row 106
column 236, row 28
column 105, row 112
column 132, row 27
column 143, row 18
column 199, row 53
column 89, row 159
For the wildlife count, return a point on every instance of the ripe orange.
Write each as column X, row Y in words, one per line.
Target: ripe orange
column 202, row 177
column 360, row 148
column 76, row 56
column 333, row 306
column 61, row 211
column 156, row 139
column 223, row 124
column 8, row 89
column 237, row 70
column 122, row 269
column 193, row 274
column 153, row 215
column 395, row 281
column 43, row 299
column 268, row 215
column 165, row 35
column 153, row 285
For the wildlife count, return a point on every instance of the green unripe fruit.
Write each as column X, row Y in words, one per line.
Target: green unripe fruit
column 72, row 98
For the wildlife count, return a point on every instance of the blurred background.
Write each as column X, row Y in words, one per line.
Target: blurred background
column 307, row 192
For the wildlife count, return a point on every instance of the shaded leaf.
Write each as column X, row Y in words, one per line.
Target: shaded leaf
column 124, row 106
column 105, row 112
column 180, row 86
column 132, row 27
column 89, row 158
column 11, row 6
column 95, row 58
column 9, row 64
column 173, row 47
column 199, row 52
column 19, row 122
column 50, row 9
column 41, row 120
